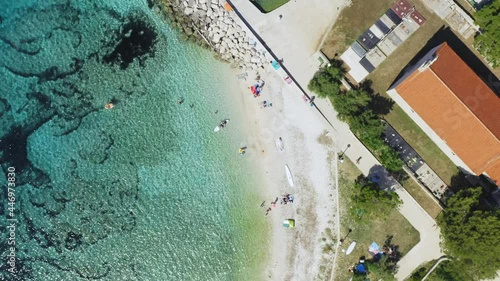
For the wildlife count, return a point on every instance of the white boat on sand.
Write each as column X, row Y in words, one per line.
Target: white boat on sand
column 289, row 176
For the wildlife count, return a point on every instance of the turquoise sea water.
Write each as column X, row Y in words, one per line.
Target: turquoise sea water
column 145, row 191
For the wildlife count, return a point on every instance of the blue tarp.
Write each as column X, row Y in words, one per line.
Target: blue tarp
column 360, row 268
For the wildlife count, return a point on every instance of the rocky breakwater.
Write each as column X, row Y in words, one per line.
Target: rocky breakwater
column 216, row 26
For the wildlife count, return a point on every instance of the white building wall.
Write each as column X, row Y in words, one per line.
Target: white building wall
column 428, row 130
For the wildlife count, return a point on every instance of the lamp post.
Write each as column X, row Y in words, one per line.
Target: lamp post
column 342, row 240
column 341, row 156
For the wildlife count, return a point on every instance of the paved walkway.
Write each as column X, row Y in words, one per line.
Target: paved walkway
column 295, row 38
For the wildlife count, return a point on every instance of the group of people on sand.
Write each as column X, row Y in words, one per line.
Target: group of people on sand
column 285, row 199
column 273, row 205
column 266, row 104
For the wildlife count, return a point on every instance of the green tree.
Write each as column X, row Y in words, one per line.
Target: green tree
column 360, row 277
column 447, row 270
column 488, row 42
column 470, row 234
column 384, row 269
column 327, row 81
column 368, row 127
column 370, row 199
column 390, row 159
column 350, row 103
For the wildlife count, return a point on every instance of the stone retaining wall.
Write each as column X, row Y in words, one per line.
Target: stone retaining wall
column 217, row 27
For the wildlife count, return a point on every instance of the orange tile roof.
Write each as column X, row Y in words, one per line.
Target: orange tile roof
column 460, row 108
column 468, row 87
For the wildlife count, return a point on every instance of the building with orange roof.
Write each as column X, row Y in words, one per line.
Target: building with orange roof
column 455, row 108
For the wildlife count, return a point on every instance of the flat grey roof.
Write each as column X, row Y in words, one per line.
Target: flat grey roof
column 358, row 49
column 375, row 56
column 367, row 65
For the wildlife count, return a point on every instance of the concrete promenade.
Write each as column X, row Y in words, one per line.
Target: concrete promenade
column 295, row 38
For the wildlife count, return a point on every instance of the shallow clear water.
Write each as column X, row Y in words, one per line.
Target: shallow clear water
column 145, row 191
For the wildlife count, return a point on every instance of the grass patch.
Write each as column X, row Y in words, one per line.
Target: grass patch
column 404, row 235
column 267, row 6
column 423, row 145
column 441, row 273
column 422, row 197
column 420, row 272
column 351, row 23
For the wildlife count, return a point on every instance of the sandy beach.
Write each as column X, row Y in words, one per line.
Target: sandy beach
column 307, row 251
column 294, row 254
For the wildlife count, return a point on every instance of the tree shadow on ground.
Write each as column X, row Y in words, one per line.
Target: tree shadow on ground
column 461, row 181
column 388, row 244
column 381, row 176
column 445, row 34
column 381, row 105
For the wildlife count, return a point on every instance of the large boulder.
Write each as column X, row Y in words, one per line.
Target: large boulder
column 231, row 45
column 255, row 60
column 216, row 37
column 247, row 57
column 231, row 30
column 200, row 14
column 234, row 52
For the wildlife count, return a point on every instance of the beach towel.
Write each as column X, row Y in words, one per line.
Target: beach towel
column 275, row 64
column 374, row 249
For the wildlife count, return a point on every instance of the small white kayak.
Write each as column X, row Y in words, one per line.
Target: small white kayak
column 222, row 125
column 289, row 176
column 280, row 145
column 350, row 248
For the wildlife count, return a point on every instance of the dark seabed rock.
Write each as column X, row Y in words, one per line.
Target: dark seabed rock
column 50, row 59
column 135, row 40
